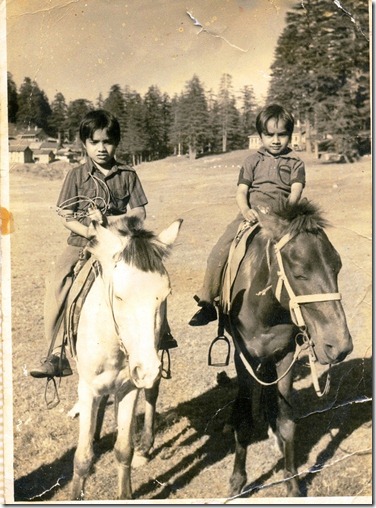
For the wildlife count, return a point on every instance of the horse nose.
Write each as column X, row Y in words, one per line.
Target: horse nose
column 337, row 353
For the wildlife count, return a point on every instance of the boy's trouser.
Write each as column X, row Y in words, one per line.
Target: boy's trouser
column 57, row 289
column 216, row 262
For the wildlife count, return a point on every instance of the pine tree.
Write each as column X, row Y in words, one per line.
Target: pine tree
column 115, row 102
column 156, row 108
column 33, row 106
column 175, row 132
column 12, row 99
column 228, row 114
column 57, row 120
column 100, row 101
column 194, row 119
column 247, row 114
column 132, row 145
column 76, row 111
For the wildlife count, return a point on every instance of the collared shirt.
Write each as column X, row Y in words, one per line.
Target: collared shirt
column 268, row 177
column 113, row 193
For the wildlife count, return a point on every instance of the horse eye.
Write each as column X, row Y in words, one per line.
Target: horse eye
column 118, row 298
column 300, row 277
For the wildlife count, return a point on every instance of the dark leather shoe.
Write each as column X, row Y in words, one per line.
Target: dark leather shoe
column 168, row 341
column 53, row 366
column 205, row 315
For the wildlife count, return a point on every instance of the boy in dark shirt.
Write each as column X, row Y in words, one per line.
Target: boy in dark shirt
column 274, row 171
column 101, row 187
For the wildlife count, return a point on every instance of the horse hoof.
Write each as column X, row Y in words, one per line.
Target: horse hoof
column 293, row 491
column 237, row 483
column 139, row 459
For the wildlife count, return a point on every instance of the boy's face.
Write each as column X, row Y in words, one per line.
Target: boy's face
column 276, row 138
column 101, row 148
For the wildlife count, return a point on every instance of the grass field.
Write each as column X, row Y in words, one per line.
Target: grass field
column 193, row 457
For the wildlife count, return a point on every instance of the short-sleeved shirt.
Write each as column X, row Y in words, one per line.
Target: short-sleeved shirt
column 112, row 193
column 268, row 177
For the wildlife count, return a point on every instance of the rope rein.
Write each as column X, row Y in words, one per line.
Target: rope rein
column 102, row 203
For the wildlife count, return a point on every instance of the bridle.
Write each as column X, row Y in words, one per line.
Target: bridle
column 302, row 339
column 296, row 301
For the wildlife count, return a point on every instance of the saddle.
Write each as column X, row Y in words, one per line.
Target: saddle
column 85, row 275
column 245, row 234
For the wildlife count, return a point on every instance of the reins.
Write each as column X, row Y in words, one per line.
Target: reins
column 102, row 203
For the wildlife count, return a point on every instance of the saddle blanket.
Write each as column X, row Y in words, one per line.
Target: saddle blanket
column 245, row 233
column 76, row 298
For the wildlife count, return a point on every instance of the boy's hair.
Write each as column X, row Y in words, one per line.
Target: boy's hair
column 98, row 120
column 277, row 112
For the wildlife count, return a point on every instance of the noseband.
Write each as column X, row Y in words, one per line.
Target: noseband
column 294, row 300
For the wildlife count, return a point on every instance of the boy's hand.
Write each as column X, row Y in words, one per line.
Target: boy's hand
column 251, row 216
column 95, row 215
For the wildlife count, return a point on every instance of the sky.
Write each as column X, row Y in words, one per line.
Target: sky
column 81, row 48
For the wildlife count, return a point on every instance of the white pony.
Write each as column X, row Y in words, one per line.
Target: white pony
column 118, row 336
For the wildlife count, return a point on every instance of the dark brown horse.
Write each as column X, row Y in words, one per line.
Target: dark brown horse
column 284, row 298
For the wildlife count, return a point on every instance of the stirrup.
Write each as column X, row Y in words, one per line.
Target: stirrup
column 220, row 337
column 55, row 401
column 166, row 372
column 227, row 361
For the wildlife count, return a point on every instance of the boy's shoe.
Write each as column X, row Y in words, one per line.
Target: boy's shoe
column 205, row 315
column 53, row 366
column 168, row 341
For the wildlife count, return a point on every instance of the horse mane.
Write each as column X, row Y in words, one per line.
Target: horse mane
column 302, row 217
column 142, row 249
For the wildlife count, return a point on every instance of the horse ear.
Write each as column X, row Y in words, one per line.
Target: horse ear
column 169, row 235
column 103, row 243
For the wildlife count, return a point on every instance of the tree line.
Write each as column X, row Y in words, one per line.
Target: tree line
column 320, row 72
column 154, row 125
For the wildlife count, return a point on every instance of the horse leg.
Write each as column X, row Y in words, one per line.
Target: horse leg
column 148, row 433
column 241, row 421
column 286, row 430
column 124, row 446
column 239, row 476
column 100, row 417
column 84, row 453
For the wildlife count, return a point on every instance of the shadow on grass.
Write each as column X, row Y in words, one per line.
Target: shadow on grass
column 208, row 414
column 346, row 408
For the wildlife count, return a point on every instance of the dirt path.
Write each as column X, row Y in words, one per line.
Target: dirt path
column 193, row 458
